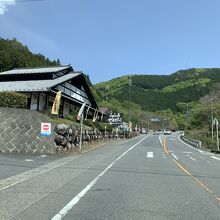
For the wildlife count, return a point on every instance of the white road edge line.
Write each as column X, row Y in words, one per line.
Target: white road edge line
column 190, row 146
column 215, row 157
column 160, row 140
column 191, row 157
column 76, row 199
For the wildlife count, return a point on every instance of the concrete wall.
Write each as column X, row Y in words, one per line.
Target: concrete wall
column 20, row 132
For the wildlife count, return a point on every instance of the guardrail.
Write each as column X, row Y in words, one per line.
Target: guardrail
column 192, row 142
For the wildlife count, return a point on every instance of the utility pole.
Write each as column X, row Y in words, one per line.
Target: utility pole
column 148, row 124
column 164, row 123
column 215, row 121
column 212, row 117
column 187, row 112
column 129, row 110
column 217, row 134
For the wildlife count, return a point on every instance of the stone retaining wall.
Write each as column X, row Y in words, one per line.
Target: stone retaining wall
column 20, row 132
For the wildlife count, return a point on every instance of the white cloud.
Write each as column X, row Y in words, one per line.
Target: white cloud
column 4, row 5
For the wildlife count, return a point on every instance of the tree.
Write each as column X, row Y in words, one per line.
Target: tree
column 15, row 55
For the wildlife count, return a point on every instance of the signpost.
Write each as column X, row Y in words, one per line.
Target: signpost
column 80, row 117
column 45, row 129
column 216, row 123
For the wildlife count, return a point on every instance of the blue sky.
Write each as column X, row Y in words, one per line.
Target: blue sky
column 111, row 38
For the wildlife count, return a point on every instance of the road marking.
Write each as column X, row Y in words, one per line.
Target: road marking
column 165, row 145
column 174, row 156
column 76, row 199
column 160, row 140
column 172, row 139
column 187, row 152
column 29, row 160
column 182, row 168
column 200, row 183
column 191, row 157
column 43, row 155
column 150, row 155
column 207, row 153
column 21, row 177
column 215, row 157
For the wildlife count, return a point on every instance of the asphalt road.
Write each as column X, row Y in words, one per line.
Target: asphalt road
column 144, row 178
column 12, row 164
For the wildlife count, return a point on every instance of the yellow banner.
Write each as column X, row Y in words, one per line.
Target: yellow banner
column 56, row 104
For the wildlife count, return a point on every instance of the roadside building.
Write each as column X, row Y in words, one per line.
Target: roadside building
column 40, row 85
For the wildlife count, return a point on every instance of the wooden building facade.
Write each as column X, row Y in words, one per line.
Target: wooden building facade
column 41, row 85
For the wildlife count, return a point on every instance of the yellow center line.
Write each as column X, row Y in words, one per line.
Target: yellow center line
column 200, row 183
column 165, row 145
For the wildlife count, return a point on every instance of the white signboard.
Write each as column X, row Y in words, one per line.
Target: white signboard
column 45, row 129
column 115, row 118
column 154, row 119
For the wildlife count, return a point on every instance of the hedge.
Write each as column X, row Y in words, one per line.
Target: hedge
column 13, row 100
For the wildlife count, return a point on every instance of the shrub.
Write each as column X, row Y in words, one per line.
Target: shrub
column 203, row 135
column 101, row 126
column 13, row 100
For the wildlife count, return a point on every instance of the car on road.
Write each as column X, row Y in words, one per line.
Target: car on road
column 156, row 132
column 167, row 132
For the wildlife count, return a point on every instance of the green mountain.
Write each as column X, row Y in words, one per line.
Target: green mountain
column 160, row 92
column 15, row 55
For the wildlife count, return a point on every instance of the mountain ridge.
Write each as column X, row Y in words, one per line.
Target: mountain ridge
column 160, row 92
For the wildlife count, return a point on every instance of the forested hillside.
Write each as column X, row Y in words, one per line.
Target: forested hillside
column 183, row 100
column 15, row 55
column 155, row 92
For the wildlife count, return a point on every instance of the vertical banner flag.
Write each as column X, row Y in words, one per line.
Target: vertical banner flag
column 87, row 112
column 102, row 116
column 97, row 114
column 81, row 111
column 56, row 104
column 94, row 116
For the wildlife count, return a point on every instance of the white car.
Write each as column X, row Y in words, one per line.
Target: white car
column 167, row 132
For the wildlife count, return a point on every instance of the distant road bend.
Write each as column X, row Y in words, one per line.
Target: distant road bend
column 148, row 177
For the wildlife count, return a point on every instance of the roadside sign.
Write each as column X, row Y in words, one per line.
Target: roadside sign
column 115, row 119
column 45, row 129
column 155, row 119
